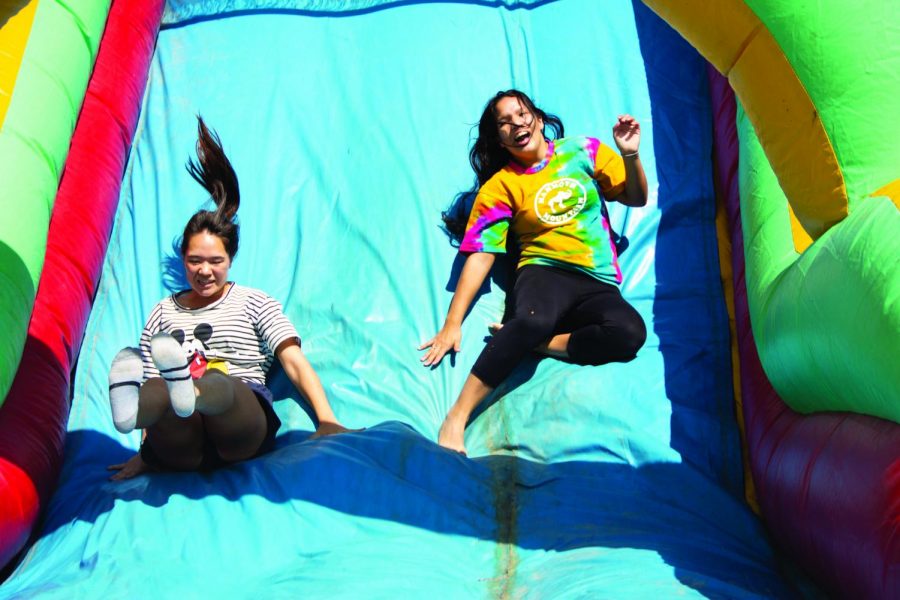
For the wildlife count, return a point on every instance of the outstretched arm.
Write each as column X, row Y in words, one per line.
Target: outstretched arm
column 627, row 135
column 477, row 267
column 304, row 378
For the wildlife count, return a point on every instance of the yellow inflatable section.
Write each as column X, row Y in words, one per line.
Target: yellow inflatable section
column 15, row 25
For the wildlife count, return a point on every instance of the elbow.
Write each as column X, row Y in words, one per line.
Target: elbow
column 636, row 200
column 638, row 197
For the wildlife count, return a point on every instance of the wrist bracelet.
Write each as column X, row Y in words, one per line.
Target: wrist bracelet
column 630, row 155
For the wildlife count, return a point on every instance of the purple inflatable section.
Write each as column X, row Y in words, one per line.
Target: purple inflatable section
column 827, row 484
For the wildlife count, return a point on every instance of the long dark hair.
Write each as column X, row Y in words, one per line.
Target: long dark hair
column 214, row 172
column 488, row 156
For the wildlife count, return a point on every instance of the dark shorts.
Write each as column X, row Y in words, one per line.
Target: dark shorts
column 211, row 459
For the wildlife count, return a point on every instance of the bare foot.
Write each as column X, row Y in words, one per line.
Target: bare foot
column 451, row 435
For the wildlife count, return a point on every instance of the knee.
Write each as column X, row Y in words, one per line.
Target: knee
column 633, row 335
column 597, row 345
column 214, row 382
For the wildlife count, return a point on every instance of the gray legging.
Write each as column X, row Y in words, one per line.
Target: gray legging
column 550, row 300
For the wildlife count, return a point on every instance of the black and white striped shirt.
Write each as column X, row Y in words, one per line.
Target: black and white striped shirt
column 242, row 329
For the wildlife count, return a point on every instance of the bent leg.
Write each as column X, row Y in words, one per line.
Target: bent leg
column 125, row 375
column 556, row 346
column 169, row 358
column 542, row 296
column 153, row 403
column 228, row 413
column 175, row 442
column 453, row 428
column 234, row 419
column 604, row 328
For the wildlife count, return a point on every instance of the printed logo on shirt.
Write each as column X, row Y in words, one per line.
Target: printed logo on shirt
column 559, row 201
column 195, row 349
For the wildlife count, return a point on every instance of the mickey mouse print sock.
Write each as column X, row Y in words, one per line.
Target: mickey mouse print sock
column 169, row 358
column 125, row 376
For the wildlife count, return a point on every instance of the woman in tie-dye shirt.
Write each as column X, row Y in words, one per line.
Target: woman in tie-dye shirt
column 550, row 194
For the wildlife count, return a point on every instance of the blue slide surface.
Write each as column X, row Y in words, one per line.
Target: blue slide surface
column 350, row 132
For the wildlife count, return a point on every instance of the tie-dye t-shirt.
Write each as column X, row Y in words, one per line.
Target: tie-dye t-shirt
column 554, row 209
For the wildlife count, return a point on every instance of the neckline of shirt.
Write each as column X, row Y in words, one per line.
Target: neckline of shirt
column 538, row 167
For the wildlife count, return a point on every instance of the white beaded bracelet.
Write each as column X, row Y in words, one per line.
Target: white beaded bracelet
column 629, row 155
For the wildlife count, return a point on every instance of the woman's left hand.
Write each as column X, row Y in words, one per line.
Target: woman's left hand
column 330, row 428
column 627, row 134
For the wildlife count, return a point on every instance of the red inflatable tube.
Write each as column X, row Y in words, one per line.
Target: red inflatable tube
column 33, row 418
column 828, row 483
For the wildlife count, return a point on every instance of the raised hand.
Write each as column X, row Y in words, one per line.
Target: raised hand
column 627, row 134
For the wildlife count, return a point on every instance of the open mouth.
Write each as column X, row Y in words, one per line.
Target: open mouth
column 522, row 137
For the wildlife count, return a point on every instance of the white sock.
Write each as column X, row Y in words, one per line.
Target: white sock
column 125, row 376
column 169, row 358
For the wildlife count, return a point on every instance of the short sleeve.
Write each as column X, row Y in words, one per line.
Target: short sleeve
column 488, row 222
column 151, row 328
column 609, row 171
column 271, row 323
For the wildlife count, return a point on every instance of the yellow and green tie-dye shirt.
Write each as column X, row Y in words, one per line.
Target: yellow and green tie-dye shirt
column 554, row 209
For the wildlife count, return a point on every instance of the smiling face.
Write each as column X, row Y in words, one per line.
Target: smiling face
column 520, row 131
column 206, row 264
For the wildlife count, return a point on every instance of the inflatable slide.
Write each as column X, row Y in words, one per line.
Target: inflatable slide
column 747, row 452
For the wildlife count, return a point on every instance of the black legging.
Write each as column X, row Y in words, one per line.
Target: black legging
column 548, row 301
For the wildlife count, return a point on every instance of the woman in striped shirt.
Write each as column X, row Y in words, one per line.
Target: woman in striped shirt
column 197, row 386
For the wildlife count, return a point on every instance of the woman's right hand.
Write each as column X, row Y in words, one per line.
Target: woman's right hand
column 132, row 468
column 446, row 340
column 475, row 269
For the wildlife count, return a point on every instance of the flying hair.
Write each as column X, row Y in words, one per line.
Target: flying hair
column 214, row 172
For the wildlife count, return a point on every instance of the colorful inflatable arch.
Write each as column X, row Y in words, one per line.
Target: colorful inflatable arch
column 344, row 125
column 48, row 52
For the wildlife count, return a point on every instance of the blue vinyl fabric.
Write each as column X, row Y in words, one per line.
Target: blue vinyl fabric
column 350, row 135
